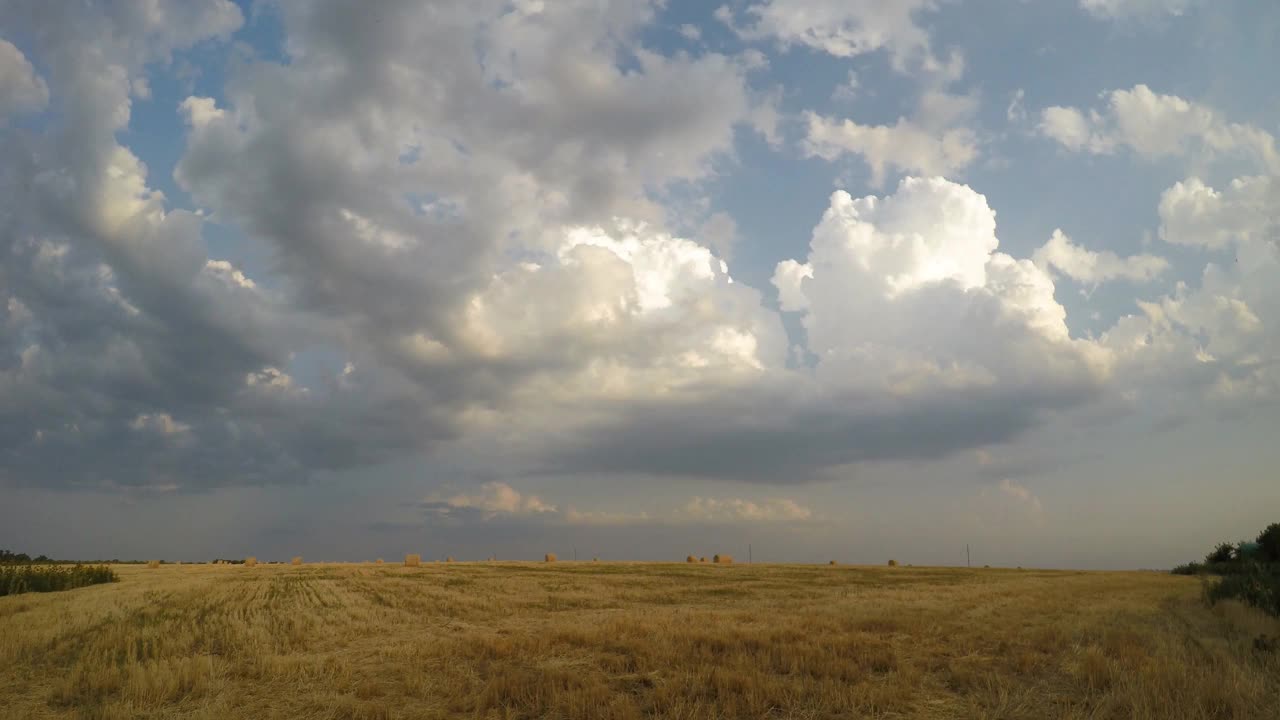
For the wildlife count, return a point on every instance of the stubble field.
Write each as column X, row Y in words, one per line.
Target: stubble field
column 604, row 640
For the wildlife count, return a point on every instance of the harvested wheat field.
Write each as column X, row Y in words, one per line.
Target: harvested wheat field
column 601, row 640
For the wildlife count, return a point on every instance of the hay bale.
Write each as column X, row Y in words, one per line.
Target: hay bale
column 250, row 561
column 412, row 560
column 153, row 564
column 595, row 559
column 702, row 559
column 722, row 559
column 833, row 562
column 893, row 563
column 449, row 559
column 378, row 561
column 691, row 559
column 549, row 557
column 297, row 560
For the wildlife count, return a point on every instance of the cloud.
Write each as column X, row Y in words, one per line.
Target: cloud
column 847, row 28
column 904, row 146
column 1020, row 493
column 1093, row 267
column 1194, row 214
column 463, row 207
column 892, row 277
column 1155, row 126
column 1016, row 112
column 498, row 502
column 1214, row 338
column 1008, row 503
column 494, row 499
column 21, row 89
column 1120, row 9
column 605, row 518
column 380, row 256
column 1210, row 340
column 927, row 341
column 739, row 510
column 110, row 298
column 160, row 423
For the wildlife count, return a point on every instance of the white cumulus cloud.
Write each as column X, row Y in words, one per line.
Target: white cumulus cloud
column 1247, row 211
column 847, row 28
column 910, row 292
column 1093, row 267
column 1154, row 125
column 904, row 146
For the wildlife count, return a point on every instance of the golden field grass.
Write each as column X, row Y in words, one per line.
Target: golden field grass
column 603, row 640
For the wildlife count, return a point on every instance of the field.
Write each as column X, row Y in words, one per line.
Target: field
column 603, row 640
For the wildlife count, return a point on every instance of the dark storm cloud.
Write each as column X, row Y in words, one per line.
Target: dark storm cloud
column 777, row 439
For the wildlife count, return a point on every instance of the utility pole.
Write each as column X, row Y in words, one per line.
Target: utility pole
column 967, row 561
column 575, row 554
column 748, row 553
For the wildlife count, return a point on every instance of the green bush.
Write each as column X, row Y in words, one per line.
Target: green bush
column 1191, row 568
column 1249, row 572
column 1224, row 553
column 1269, row 543
column 1256, row 585
column 16, row 579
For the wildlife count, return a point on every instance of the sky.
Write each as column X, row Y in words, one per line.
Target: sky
column 632, row 279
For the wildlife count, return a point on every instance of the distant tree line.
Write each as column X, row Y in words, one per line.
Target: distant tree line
column 8, row 557
column 1247, row 571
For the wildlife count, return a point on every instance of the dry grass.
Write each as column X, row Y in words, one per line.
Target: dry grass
column 250, row 561
column 549, row 557
column 722, row 559
column 413, row 560
column 580, row 641
column 297, row 560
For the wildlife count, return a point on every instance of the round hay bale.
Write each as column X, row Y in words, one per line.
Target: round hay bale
column 691, row 559
column 549, row 557
column 893, row 563
column 412, row 560
column 722, row 559
column 250, row 561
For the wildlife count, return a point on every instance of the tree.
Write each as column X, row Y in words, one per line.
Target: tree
column 1269, row 543
column 1221, row 554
